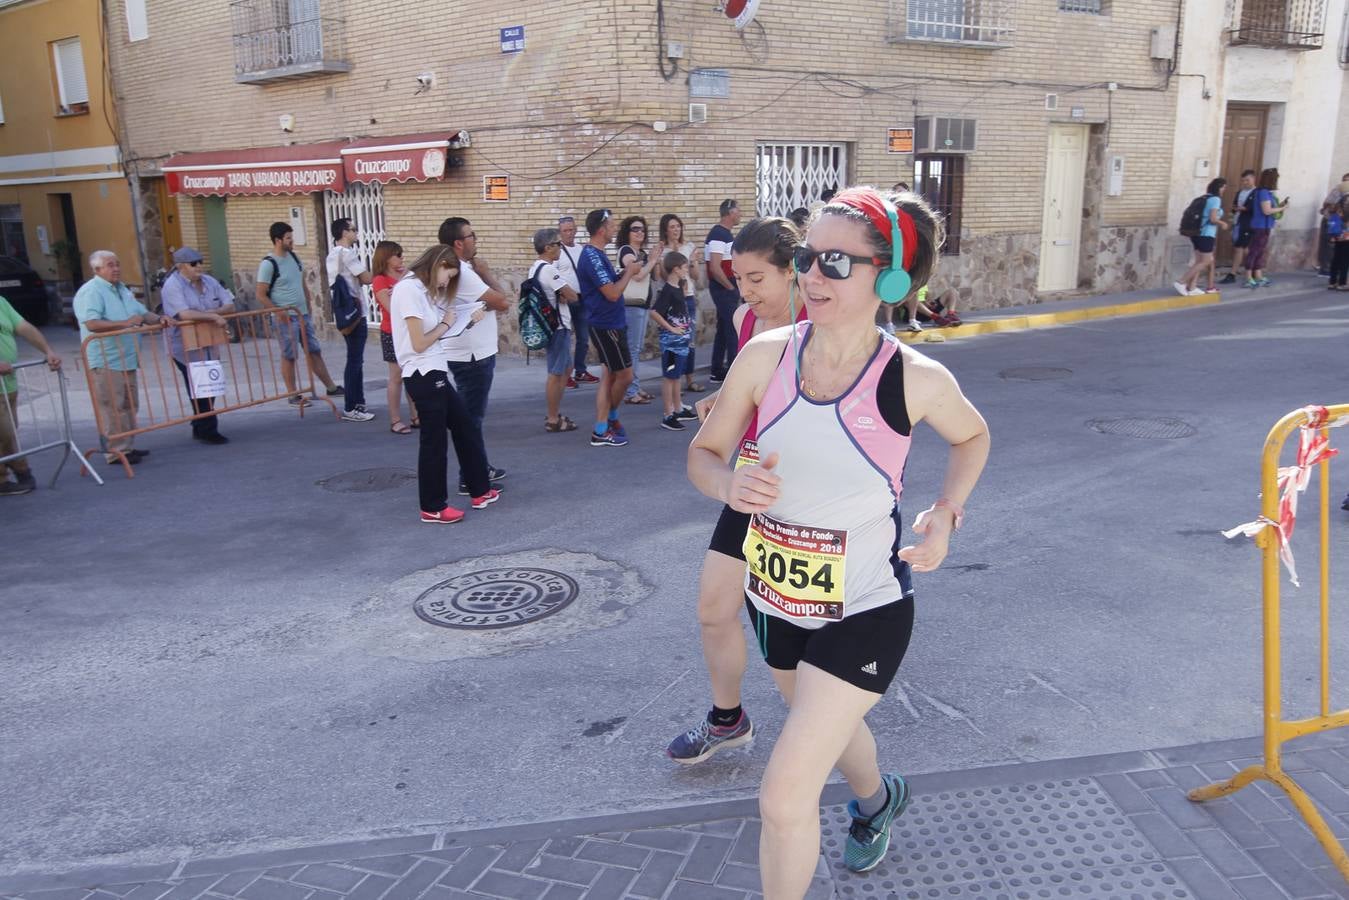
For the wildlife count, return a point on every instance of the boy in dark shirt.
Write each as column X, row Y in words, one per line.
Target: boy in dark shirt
column 671, row 312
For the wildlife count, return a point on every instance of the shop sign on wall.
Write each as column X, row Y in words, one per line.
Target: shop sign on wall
column 496, row 188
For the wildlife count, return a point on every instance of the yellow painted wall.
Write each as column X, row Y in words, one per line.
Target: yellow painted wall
column 28, row 80
column 102, row 220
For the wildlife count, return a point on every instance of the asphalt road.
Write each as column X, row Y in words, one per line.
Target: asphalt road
column 221, row 654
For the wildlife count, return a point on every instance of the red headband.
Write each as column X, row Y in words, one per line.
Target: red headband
column 873, row 205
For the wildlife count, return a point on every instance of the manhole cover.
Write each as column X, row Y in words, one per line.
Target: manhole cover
column 1149, row 427
column 1035, row 373
column 367, row 481
column 496, row 598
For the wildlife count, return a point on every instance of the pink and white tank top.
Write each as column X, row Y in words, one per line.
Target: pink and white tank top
column 826, row 549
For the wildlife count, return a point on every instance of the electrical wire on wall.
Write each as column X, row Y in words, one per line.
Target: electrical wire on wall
column 661, row 61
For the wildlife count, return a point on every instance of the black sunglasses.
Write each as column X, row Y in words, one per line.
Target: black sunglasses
column 554, row 243
column 834, row 264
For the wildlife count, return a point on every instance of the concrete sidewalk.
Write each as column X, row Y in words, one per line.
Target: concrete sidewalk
column 1104, row 826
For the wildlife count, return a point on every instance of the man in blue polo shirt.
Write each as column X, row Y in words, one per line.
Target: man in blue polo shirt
column 104, row 304
column 602, row 294
column 190, row 295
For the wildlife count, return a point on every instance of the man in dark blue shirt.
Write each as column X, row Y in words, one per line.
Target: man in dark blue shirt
column 602, row 295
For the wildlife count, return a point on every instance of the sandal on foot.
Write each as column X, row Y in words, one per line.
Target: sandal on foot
column 416, row 422
column 399, row 427
column 637, row 400
column 562, row 424
column 696, row 387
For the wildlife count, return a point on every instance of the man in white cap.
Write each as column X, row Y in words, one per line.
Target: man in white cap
column 191, row 295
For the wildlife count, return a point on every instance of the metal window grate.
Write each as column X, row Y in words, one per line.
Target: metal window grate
column 363, row 204
column 789, row 176
column 275, row 38
column 1287, row 24
column 1091, row 7
column 940, row 180
column 977, row 23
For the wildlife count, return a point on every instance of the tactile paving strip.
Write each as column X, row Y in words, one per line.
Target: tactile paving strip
column 1045, row 840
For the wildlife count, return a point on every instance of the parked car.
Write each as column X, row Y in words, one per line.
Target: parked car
column 24, row 290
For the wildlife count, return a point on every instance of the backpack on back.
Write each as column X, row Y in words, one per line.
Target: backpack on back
column 276, row 269
column 539, row 317
column 1192, row 220
column 1335, row 219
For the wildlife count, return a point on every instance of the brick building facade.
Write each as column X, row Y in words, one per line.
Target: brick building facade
column 1025, row 111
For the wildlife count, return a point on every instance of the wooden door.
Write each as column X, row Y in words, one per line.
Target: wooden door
column 169, row 226
column 1061, row 229
column 1243, row 148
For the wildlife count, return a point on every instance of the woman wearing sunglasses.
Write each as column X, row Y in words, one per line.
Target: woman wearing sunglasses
column 761, row 261
column 829, row 590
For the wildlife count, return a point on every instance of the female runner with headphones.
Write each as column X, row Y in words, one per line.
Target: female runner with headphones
column 761, row 260
column 826, row 581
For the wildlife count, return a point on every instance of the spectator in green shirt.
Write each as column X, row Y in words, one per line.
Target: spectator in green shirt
column 11, row 325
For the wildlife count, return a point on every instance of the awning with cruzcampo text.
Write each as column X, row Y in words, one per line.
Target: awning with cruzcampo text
column 408, row 157
column 297, row 169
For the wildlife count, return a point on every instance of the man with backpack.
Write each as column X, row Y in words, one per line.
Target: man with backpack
column 546, row 297
column 348, row 272
column 281, row 286
column 1241, row 227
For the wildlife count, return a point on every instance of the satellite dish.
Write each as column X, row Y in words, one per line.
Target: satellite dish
column 741, row 12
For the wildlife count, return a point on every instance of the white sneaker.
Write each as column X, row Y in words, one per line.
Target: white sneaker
column 889, row 327
column 914, row 326
column 357, row 415
column 1181, row 289
column 1199, row 292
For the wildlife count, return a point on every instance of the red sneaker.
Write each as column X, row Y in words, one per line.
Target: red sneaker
column 586, row 378
column 447, row 516
column 571, row 382
column 486, row 499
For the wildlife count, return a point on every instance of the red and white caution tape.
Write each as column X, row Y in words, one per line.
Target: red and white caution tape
column 1313, row 449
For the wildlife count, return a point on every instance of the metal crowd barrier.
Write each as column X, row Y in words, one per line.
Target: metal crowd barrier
column 154, row 395
column 38, row 421
column 1279, row 490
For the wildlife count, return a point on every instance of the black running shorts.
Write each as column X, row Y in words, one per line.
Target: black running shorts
column 611, row 346
column 864, row 650
column 728, row 538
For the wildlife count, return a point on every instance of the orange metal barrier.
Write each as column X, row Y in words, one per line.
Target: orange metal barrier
column 1278, row 513
column 135, row 385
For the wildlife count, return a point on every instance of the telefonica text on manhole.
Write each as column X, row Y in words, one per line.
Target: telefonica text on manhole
column 496, row 598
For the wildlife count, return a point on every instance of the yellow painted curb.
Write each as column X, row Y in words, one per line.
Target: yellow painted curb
column 1064, row 317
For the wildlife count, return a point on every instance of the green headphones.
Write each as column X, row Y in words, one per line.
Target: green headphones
column 892, row 284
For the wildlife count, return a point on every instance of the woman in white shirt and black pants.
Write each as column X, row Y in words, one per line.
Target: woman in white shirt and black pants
column 422, row 317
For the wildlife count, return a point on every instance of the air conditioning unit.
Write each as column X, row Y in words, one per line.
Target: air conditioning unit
column 697, row 113
column 933, row 134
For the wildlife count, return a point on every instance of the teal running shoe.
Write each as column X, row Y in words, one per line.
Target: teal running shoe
column 868, row 839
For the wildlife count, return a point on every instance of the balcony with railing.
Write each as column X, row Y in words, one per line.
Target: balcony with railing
column 971, row 23
column 1281, row 24
column 276, row 39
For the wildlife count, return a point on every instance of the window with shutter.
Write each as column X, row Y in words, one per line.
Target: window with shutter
column 71, row 87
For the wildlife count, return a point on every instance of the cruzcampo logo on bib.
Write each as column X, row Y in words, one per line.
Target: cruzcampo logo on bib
column 796, row 569
column 749, row 453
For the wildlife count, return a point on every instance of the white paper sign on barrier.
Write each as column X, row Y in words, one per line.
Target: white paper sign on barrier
column 208, row 379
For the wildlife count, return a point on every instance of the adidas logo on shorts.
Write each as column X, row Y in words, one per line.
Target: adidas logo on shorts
column 870, row 668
